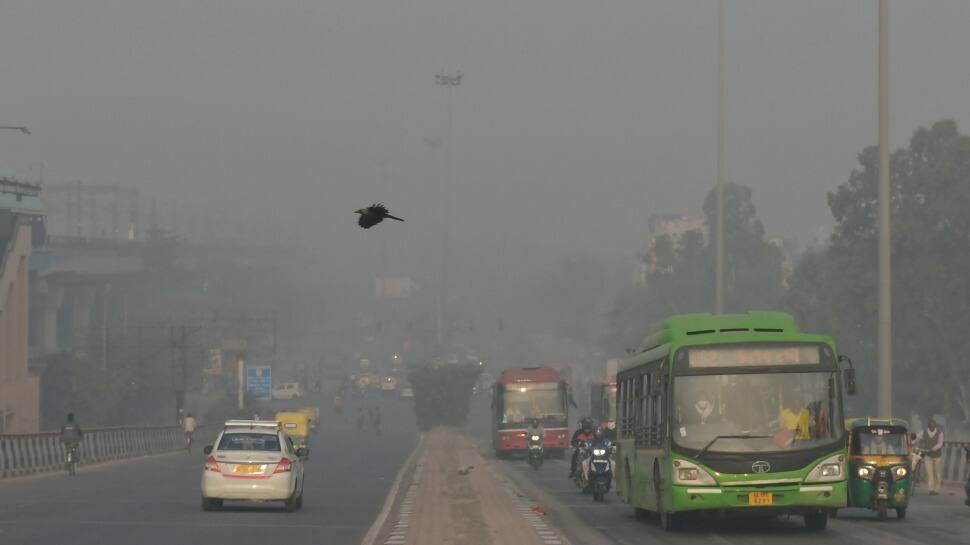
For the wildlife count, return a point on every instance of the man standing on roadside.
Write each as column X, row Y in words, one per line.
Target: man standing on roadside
column 930, row 442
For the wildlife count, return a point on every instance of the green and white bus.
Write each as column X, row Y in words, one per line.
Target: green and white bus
column 732, row 414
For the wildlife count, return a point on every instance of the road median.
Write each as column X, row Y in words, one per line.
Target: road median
column 455, row 498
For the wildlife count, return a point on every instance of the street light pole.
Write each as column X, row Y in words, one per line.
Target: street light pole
column 450, row 81
column 885, row 272
column 719, row 242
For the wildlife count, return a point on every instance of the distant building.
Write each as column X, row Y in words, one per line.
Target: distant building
column 673, row 226
column 21, row 228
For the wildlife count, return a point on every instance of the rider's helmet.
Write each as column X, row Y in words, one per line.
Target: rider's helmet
column 586, row 424
column 534, row 422
column 70, row 417
column 599, row 433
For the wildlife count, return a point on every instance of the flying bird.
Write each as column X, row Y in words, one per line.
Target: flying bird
column 373, row 214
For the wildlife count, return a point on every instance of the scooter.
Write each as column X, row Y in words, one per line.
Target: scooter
column 536, row 451
column 599, row 469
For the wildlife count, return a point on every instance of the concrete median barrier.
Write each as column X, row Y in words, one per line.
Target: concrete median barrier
column 42, row 452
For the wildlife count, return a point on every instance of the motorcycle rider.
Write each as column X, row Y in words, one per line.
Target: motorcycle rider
column 582, row 435
column 71, row 433
column 535, row 428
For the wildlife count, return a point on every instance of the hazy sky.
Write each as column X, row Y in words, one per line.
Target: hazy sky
column 577, row 119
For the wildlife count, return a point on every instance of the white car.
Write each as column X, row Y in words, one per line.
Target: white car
column 287, row 390
column 252, row 460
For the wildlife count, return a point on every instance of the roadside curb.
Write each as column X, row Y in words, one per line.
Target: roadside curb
column 377, row 528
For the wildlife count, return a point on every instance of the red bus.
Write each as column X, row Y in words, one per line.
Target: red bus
column 523, row 394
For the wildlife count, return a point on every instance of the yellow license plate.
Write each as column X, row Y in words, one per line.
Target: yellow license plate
column 247, row 468
column 760, row 498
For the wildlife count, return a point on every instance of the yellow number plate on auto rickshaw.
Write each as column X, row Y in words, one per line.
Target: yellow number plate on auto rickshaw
column 760, row 498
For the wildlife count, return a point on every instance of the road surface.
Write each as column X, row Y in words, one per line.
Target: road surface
column 156, row 500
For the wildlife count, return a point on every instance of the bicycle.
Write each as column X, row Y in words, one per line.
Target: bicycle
column 918, row 470
column 73, row 455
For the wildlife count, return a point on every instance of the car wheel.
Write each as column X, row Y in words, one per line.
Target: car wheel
column 291, row 503
column 299, row 502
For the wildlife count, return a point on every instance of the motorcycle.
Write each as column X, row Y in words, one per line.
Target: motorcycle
column 598, row 468
column 581, row 478
column 536, row 451
column 73, row 456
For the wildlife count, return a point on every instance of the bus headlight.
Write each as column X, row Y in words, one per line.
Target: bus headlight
column 828, row 470
column 900, row 472
column 864, row 472
column 688, row 473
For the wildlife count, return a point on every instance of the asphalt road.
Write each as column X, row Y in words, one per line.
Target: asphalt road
column 156, row 500
column 936, row 520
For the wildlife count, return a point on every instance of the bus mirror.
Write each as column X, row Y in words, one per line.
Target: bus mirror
column 849, row 378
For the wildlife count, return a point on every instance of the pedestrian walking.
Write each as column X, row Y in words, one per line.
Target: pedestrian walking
column 930, row 443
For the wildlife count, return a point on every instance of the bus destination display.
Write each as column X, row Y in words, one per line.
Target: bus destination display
column 753, row 356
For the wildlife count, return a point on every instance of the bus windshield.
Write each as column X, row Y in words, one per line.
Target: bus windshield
column 535, row 400
column 782, row 411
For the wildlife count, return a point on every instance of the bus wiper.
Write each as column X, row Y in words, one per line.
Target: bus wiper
column 715, row 440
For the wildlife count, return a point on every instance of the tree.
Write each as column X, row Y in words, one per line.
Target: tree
column 833, row 289
column 682, row 272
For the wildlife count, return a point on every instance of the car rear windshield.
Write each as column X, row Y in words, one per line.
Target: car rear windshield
column 250, row 441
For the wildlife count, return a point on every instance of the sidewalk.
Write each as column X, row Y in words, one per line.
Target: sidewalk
column 455, row 499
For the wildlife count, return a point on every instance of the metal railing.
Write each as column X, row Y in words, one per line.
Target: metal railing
column 42, row 452
column 955, row 465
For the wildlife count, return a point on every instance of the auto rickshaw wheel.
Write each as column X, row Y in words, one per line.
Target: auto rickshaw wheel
column 900, row 513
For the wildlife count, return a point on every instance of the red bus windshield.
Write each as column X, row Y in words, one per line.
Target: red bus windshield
column 524, row 401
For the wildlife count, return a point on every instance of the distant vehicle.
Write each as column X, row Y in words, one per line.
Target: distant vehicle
column 288, row 390
column 252, row 460
column 602, row 405
column 521, row 394
column 734, row 413
column 389, row 384
column 407, row 392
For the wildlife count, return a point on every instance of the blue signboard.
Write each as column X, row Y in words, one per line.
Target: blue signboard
column 259, row 381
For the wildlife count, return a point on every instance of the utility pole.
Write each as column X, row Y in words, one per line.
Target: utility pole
column 885, row 272
column 451, row 81
column 719, row 228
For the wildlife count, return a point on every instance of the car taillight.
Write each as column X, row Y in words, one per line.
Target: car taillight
column 283, row 466
column 212, row 465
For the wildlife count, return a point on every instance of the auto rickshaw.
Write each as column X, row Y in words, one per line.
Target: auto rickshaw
column 313, row 413
column 880, row 465
column 297, row 426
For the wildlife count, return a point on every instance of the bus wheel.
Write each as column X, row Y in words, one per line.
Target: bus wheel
column 668, row 520
column 816, row 522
